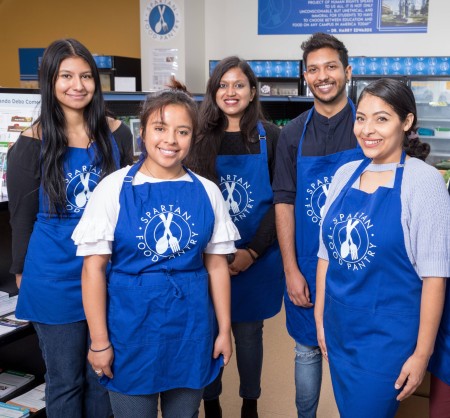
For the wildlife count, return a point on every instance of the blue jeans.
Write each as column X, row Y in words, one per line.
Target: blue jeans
column 308, row 379
column 248, row 337
column 72, row 389
column 175, row 403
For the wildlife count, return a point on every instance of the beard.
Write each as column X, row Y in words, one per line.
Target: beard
column 332, row 99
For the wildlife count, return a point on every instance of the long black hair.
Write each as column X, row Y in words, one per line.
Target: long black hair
column 213, row 121
column 52, row 123
column 401, row 98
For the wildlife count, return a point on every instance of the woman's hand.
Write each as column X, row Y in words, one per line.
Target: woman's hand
column 219, row 287
column 242, row 261
column 321, row 339
column 223, row 346
column 18, row 280
column 101, row 362
column 431, row 307
column 411, row 375
column 322, row 267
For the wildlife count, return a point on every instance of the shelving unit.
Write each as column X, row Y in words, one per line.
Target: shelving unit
column 275, row 107
column 429, row 78
column 19, row 350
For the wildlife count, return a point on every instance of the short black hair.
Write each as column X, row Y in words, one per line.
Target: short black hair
column 321, row 40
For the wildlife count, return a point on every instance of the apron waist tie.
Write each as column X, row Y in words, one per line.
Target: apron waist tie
column 177, row 290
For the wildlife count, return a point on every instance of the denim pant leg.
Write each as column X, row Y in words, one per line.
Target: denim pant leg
column 126, row 406
column 181, row 403
column 72, row 390
column 214, row 389
column 248, row 337
column 308, row 379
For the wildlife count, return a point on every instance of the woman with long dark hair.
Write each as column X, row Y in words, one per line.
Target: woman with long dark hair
column 236, row 148
column 52, row 170
column 383, row 259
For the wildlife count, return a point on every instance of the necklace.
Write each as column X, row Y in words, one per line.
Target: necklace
column 179, row 173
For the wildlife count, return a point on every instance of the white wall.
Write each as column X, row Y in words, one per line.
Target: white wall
column 232, row 27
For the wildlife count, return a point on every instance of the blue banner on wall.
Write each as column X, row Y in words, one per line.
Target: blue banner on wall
column 400, row 65
column 289, row 17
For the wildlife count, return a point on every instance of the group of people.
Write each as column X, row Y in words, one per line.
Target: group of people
column 135, row 275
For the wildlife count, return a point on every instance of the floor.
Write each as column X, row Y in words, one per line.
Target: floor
column 277, row 398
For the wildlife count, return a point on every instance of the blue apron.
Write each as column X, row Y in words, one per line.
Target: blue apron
column 256, row 293
column 50, row 291
column 372, row 298
column 160, row 316
column 314, row 175
column 440, row 360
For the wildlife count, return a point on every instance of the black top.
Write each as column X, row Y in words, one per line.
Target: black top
column 233, row 144
column 23, row 181
column 324, row 136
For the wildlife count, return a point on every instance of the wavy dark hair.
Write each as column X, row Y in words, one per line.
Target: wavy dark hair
column 52, row 122
column 321, row 40
column 213, row 122
column 175, row 94
column 401, row 98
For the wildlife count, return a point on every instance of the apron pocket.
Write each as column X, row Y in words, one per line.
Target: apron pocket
column 160, row 309
column 374, row 341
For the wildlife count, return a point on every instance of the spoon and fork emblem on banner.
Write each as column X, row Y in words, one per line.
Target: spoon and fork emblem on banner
column 161, row 25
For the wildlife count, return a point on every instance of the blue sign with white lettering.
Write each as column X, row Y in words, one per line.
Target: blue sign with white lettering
column 288, row 17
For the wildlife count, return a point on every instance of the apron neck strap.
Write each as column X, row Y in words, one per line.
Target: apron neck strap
column 400, row 170
column 310, row 115
column 261, row 131
column 364, row 163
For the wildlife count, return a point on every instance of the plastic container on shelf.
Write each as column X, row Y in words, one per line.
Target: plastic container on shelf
column 442, row 132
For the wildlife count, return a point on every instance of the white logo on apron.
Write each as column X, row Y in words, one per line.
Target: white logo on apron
column 316, row 195
column 350, row 240
column 167, row 233
column 79, row 187
column 237, row 195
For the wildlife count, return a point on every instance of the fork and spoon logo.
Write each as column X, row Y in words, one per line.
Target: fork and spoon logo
column 161, row 19
column 232, row 205
column 316, row 195
column 350, row 240
column 79, row 190
column 348, row 246
column 167, row 239
column 237, row 196
column 161, row 25
column 166, row 233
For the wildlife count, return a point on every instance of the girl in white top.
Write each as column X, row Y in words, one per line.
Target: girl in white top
column 157, row 226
